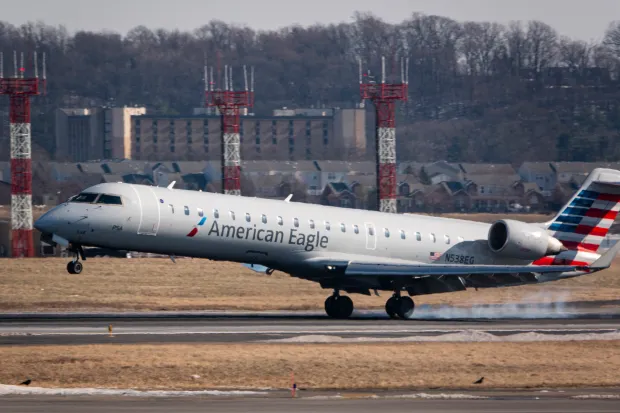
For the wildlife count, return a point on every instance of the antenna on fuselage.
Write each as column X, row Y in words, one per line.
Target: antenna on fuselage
column 171, row 184
column 288, row 198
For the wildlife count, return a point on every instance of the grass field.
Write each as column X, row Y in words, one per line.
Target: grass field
column 316, row 366
column 193, row 284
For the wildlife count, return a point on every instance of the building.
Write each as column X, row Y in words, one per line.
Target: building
column 309, row 134
column 94, row 133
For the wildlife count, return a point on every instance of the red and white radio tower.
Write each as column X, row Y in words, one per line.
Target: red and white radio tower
column 229, row 103
column 384, row 97
column 19, row 89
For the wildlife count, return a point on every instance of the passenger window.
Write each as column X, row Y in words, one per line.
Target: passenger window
column 327, row 225
column 295, row 222
column 418, row 236
column 280, row 221
column 247, row 217
column 264, row 219
column 386, row 232
column 110, row 200
column 356, row 229
column 371, row 231
column 311, row 222
column 447, row 238
column 232, row 215
column 84, row 197
column 200, row 213
column 432, row 237
column 216, row 214
column 171, row 208
column 343, row 228
column 186, row 210
column 402, row 234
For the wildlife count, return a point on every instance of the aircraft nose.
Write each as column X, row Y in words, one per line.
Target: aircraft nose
column 47, row 222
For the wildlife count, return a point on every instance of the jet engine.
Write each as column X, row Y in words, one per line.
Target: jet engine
column 514, row 239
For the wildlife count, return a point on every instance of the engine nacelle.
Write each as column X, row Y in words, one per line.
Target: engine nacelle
column 516, row 239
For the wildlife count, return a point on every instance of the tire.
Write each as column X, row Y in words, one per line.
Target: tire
column 390, row 307
column 71, row 267
column 77, row 267
column 345, row 306
column 405, row 307
column 331, row 307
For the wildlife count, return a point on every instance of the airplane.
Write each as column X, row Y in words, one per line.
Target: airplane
column 342, row 249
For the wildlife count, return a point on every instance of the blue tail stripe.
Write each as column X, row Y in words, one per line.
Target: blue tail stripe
column 588, row 194
column 562, row 227
column 567, row 219
column 574, row 211
column 582, row 202
column 202, row 221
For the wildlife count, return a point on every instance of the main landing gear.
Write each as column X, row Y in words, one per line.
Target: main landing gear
column 339, row 306
column 397, row 306
column 75, row 266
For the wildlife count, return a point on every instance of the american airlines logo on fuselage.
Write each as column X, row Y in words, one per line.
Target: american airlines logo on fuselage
column 295, row 237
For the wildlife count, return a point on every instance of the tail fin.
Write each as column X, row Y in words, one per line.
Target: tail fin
column 583, row 223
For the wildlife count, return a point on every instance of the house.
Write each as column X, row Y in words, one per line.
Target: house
column 409, row 168
column 503, row 169
column 338, row 194
column 440, row 171
column 364, row 187
column 447, row 196
column 540, row 173
column 565, row 171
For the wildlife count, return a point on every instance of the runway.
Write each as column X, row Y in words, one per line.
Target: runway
column 339, row 404
column 225, row 327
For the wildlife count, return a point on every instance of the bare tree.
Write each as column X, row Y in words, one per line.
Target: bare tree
column 612, row 38
column 575, row 54
column 542, row 42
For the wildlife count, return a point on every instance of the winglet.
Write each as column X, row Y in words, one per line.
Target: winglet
column 605, row 260
column 288, row 198
column 171, row 184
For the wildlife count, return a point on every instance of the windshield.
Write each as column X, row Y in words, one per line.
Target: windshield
column 84, row 197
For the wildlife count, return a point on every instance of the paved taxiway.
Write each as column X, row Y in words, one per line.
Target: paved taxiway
column 16, row 404
column 36, row 329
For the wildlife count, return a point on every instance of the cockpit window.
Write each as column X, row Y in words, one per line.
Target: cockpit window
column 84, row 197
column 110, row 200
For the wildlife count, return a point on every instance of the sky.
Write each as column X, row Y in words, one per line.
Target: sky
column 579, row 19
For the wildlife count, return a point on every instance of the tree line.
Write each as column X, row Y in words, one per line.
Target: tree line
column 479, row 91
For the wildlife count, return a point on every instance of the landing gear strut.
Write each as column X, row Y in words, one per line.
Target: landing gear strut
column 75, row 266
column 338, row 306
column 397, row 306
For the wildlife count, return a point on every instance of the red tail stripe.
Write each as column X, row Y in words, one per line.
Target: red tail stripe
column 588, row 230
column 600, row 213
column 556, row 261
column 575, row 245
column 609, row 197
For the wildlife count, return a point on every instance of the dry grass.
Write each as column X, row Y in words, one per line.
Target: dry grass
column 158, row 284
column 316, row 366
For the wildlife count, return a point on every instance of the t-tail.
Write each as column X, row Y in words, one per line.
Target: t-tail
column 582, row 224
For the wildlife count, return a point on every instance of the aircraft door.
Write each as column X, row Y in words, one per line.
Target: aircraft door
column 371, row 236
column 150, row 214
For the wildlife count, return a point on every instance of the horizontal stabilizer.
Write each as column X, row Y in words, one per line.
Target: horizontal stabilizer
column 605, row 260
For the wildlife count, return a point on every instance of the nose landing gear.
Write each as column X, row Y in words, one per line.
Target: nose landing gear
column 75, row 266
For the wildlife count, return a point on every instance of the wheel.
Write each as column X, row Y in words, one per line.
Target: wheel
column 331, row 307
column 71, row 267
column 405, row 307
column 338, row 306
column 390, row 307
column 345, row 306
column 77, row 267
